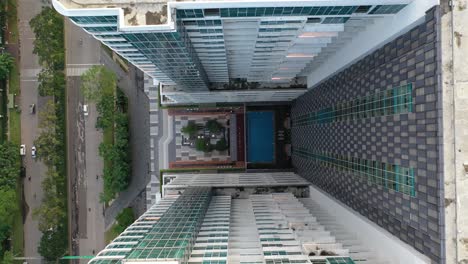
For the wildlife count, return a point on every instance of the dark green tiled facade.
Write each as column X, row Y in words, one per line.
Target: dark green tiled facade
column 407, row 138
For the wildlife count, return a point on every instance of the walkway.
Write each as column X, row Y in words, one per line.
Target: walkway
column 132, row 84
column 156, row 130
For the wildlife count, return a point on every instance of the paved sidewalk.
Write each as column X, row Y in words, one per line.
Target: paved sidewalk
column 156, row 132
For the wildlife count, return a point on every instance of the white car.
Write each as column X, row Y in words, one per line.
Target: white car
column 85, row 110
column 33, row 151
column 23, row 150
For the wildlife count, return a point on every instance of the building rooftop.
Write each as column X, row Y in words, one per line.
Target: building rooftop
column 144, row 13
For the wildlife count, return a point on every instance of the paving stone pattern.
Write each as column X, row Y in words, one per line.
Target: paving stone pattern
column 409, row 140
column 187, row 153
column 152, row 189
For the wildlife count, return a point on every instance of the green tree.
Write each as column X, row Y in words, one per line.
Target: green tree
column 124, row 219
column 97, row 83
column 53, row 244
column 48, row 45
column 8, row 207
column 6, row 63
column 204, row 145
column 116, row 173
column 221, row 145
column 51, row 213
column 190, row 129
column 48, row 117
column 48, row 141
column 8, row 258
column 213, row 126
column 50, row 81
column 9, row 165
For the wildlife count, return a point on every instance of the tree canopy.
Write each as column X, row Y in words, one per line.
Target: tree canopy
column 6, row 63
column 8, row 258
column 190, row 129
column 9, row 165
column 202, row 144
column 50, row 81
column 8, row 206
column 48, row 45
column 48, row 27
column 124, row 219
column 221, row 145
column 97, row 83
column 53, row 244
column 213, row 126
column 116, row 177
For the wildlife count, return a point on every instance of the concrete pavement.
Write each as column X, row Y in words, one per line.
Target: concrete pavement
column 35, row 170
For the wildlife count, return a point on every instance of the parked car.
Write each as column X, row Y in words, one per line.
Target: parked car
column 33, row 151
column 23, row 172
column 23, row 150
column 85, row 110
column 32, row 108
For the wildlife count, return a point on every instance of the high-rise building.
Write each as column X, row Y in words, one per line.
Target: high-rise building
column 239, row 218
column 377, row 92
column 226, row 51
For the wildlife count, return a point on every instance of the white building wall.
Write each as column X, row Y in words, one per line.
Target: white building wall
column 375, row 36
column 377, row 239
column 174, row 98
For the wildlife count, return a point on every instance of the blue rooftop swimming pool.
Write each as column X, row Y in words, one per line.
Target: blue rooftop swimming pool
column 260, row 140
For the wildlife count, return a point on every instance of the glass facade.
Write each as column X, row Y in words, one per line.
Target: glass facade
column 386, row 9
column 196, row 56
column 289, row 11
column 94, row 19
column 390, row 176
column 173, row 236
column 339, row 260
column 398, row 100
column 173, row 53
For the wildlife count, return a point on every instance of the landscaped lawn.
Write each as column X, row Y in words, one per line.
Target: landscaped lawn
column 3, row 112
column 15, row 130
column 111, row 234
column 12, row 21
column 15, row 127
column 14, row 80
column 15, row 118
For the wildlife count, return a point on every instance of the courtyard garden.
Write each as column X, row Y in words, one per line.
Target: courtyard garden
column 205, row 137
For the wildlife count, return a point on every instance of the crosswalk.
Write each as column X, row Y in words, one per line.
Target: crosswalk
column 78, row 69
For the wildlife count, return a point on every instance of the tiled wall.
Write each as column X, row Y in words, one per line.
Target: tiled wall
column 403, row 139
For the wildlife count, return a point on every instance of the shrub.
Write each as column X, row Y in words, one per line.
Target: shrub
column 213, row 126
column 221, row 145
column 202, row 144
column 124, row 219
column 190, row 129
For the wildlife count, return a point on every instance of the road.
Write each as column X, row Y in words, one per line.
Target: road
column 35, row 170
column 88, row 223
column 84, row 163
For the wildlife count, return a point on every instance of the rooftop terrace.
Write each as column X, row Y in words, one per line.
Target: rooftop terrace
column 136, row 13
